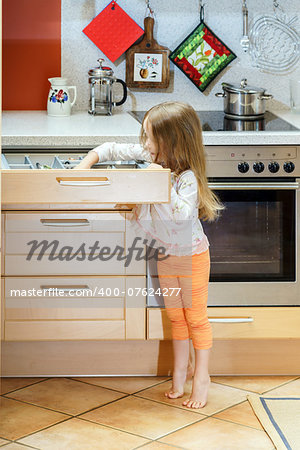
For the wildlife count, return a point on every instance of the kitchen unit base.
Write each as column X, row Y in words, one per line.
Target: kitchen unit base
column 124, row 358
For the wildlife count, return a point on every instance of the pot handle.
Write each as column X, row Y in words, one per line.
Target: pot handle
column 220, row 94
column 266, row 97
column 124, row 93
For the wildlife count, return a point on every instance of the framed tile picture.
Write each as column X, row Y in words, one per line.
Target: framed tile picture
column 148, row 67
column 147, row 63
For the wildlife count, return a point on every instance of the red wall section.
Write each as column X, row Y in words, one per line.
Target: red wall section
column 31, row 52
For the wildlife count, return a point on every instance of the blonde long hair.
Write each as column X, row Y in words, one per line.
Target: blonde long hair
column 177, row 132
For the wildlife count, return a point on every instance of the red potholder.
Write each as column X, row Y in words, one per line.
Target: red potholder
column 113, row 31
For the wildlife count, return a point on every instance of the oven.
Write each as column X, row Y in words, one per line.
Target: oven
column 254, row 244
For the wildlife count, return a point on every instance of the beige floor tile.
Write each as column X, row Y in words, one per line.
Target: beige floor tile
column 292, row 388
column 214, row 434
column 77, row 434
column 158, row 446
column 256, row 384
column 242, row 414
column 129, row 385
column 10, row 384
column 18, row 419
column 219, row 397
column 143, row 417
column 16, row 446
column 3, row 442
column 64, row 395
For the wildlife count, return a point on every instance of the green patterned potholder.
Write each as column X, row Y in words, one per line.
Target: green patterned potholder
column 202, row 56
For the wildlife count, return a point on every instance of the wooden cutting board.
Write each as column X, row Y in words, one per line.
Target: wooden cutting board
column 147, row 63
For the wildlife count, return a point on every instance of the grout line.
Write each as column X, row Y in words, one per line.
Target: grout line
column 100, row 406
column 41, row 429
column 24, row 387
column 26, row 445
column 159, row 383
column 239, row 388
column 37, row 406
column 163, row 443
column 237, row 423
column 65, row 413
column 280, row 385
column 181, row 428
column 255, row 392
column 182, row 408
column 114, row 428
column 116, row 390
column 96, row 385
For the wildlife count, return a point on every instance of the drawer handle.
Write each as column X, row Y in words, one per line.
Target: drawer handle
column 100, row 181
column 230, row 319
column 64, row 288
column 64, row 222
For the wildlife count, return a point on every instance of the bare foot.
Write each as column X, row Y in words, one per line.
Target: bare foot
column 177, row 389
column 199, row 394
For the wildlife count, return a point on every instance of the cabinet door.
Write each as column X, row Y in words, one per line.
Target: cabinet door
column 88, row 186
column 74, row 308
column 64, row 244
column 236, row 323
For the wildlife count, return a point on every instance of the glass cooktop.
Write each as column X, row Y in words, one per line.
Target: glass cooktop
column 216, row 121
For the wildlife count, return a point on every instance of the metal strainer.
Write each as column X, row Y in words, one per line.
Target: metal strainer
column 274, row 43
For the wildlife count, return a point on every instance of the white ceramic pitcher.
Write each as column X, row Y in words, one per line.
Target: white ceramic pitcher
column 59, row 103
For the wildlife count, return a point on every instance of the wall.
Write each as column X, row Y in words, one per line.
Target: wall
column 31, row 51
column 175, row 19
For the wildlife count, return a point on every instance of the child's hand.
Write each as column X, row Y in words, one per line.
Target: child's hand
column 124, row 206
column 154, row 166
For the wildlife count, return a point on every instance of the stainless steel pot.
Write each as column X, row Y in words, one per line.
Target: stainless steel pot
column 243, row 101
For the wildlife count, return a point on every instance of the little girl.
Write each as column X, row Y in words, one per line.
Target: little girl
column 171, row 137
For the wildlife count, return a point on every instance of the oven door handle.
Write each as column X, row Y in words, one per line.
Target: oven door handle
column 230, row 319
column 254, row 186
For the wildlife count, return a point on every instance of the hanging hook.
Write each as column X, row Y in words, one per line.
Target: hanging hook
column 201, row 7
column 149, row 10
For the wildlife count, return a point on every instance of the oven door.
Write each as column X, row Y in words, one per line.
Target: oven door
column 254, row 245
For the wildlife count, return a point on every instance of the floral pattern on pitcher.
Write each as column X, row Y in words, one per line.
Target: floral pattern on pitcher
column 58, row 96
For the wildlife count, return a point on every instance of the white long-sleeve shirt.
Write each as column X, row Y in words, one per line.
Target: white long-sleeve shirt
column 174, row 226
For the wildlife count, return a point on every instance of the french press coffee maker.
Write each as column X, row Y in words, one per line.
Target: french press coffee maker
column 101, row 82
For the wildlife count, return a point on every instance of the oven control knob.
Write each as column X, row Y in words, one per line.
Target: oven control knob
column 274, row 167
column 258, row 167
column 243, row 167
column 289, row 166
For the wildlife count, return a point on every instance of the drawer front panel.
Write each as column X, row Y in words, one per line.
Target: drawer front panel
column 80, row 298
column 239, row 323
column 60, row 222
column 17, row 265
column 64, row 330
column 94, row 186
column 23, row 243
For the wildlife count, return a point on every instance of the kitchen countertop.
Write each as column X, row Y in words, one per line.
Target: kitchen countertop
column 37, row 129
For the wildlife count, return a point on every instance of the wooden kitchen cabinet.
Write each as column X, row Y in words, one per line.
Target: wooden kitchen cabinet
column 268, row 323
column 85, row 186
column 112, row 307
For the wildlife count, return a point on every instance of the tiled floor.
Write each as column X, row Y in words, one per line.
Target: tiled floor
column 132, row 412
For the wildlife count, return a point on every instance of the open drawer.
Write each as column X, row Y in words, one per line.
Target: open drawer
column 88, row 186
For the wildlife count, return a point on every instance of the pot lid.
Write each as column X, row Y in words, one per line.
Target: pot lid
column 242, row 88
column 101, row 71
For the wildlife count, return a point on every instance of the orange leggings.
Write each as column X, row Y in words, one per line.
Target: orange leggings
column 188, row 310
